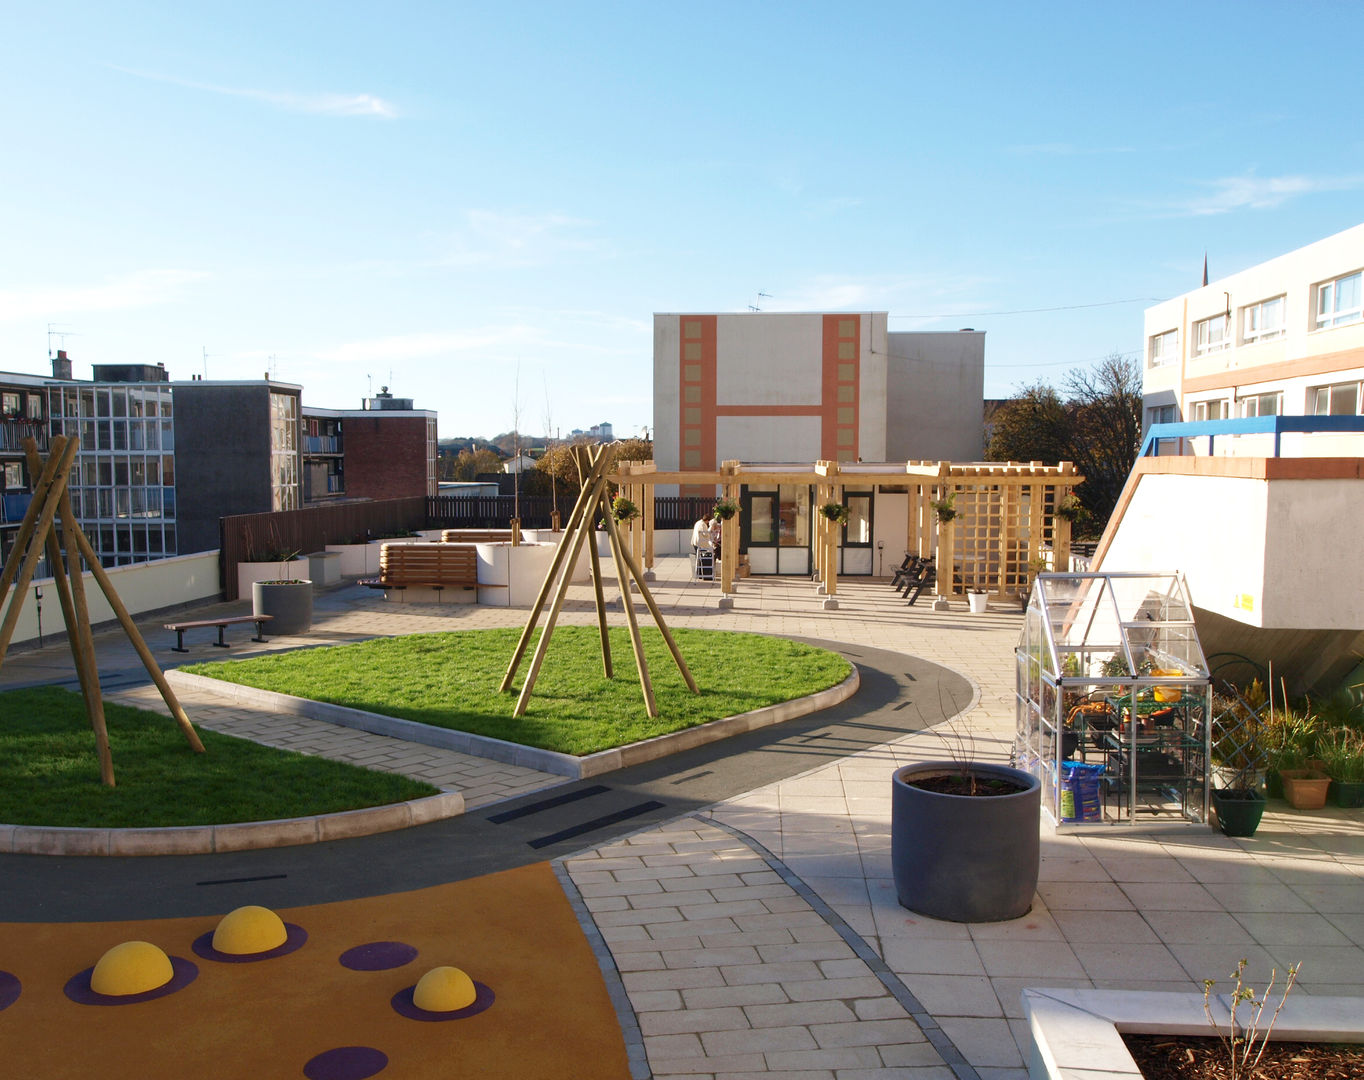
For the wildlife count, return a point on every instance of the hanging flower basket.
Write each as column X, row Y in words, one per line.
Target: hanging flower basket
column 945, row 508
column 835, row 512
column 725, row 509
column 622, row 509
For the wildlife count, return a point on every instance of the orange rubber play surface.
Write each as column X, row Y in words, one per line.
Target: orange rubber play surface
column 513, row 931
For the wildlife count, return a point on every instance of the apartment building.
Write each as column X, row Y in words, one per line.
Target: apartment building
column 1284, row 338
column 385, row 450
column 23, row 414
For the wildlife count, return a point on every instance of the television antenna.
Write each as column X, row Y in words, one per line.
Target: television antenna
column 208, row 354
column 760, row 298
column 54, row 331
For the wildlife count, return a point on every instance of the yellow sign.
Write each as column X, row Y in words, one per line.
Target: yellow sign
column 1245, row 601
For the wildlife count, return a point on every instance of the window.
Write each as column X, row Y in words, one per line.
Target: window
column 1212, row 410
column 1164, row 348
column 1211, row 335
column 1261, row 404
column 1263, row 321
column 1161, row 414
column 1338, row 302
column 9, row 403
column 1341, row 399
column 35, row 406
column 14, row 476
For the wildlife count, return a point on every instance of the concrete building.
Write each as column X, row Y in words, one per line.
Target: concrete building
column 1284, row 338
column 807, row 387
column 23, row 414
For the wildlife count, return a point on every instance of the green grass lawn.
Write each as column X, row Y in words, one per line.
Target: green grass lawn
column 49, row 774
column 450, row 680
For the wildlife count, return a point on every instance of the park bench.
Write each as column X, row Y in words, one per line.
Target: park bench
column 475, row 536
column 221, row 624
column 426, row 566
column 926, row 575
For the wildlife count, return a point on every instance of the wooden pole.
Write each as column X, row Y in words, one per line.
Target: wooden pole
column 636, row 644
column 574, row 518
column 578, row 535
column 55, row 473
column 649, row 522
column 659, row 621
column 125, row 620
column 78, row 635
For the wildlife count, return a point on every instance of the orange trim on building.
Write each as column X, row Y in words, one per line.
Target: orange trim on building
column 696, row 394
column 839, row 440
column 1325, row 364
column 769, row 410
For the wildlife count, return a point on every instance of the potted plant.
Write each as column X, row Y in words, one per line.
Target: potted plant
column 1305, row 789
column 964, row 838
column 623, row 510
column 1342, row 751
column 1238, row 759
column 726, row 509
column 946, row 507
column 287, row 601
column 976, row 599
column 835, row 512
column 1289, row 738
column 1068, row 509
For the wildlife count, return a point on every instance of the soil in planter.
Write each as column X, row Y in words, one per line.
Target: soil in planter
column 958, row 784
column 1189, row 1057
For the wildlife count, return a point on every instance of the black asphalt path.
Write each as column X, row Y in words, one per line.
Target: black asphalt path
column 898, row 694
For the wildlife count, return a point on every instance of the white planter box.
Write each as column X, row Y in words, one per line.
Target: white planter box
column 357, row 560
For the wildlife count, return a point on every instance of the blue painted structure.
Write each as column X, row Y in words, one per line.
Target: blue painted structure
column 1248, row 425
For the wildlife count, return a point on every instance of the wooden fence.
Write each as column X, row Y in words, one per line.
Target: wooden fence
column 243, row 536
column 495, row 511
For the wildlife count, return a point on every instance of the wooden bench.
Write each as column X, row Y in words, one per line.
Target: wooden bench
column 430, row 566
column 475, row 536
column 221, row 624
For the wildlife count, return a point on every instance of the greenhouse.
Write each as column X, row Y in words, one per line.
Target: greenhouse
column 1113, row 697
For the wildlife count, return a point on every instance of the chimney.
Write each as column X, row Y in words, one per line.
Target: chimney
column 61, row 366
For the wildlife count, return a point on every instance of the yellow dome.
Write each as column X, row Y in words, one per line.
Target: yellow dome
column 250, row 929
column 444, row 989
column 131, row 968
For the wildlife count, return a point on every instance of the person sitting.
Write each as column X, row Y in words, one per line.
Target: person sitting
column 715, row 535
column 700, row 536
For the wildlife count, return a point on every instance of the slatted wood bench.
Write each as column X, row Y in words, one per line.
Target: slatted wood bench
column 475, row 536
column 427, row 566
column 221, row 624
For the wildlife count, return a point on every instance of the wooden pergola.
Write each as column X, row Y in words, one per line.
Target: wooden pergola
column 1005, row 523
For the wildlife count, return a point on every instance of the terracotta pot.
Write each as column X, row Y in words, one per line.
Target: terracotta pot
column 1305, row 789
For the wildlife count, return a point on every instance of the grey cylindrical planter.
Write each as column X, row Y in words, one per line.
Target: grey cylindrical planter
column 288, row 603
column 965, row 858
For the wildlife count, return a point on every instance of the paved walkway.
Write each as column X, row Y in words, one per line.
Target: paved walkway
column 762, row 937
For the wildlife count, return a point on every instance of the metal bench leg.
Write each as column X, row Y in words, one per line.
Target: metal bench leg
column 220, row 643
column 179, row 642
column 260, row 631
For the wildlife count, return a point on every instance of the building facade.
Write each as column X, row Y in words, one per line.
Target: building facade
column 772, row 387
column 1284, row 338
column 387, row 450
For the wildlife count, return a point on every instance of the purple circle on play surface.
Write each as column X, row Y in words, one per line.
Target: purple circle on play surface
column 78, row 989
column 296, row 939
column 403, row 1005
column 9, row 989
column 346, row 1063
column 378, row 956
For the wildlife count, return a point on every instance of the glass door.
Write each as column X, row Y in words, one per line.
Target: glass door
column 856, row 557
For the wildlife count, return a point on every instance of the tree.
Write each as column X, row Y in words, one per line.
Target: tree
column 470, row 463
column 1105, row 430
column 1097, row 425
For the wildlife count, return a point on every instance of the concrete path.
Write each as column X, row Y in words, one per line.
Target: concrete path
column 786, row 888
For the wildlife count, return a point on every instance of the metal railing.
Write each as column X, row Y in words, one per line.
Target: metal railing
column 1278, row 426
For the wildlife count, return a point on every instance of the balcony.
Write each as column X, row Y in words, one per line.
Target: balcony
column 322, row 444
column 14, row 432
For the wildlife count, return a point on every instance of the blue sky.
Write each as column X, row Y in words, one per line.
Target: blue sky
column 438, row 197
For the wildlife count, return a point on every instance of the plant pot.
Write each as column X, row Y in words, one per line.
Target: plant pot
column 965, row 858
column 1274, row 784
column 977, row 601
column 1238, row 810
column 288, row 603
column 1305, row 789
column 1348, row 793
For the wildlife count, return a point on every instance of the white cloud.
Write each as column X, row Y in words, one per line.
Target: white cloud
column 1230, row 193
column 142, row 288
column 321, row 104
column 493, row 239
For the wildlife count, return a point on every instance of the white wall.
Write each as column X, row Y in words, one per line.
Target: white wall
column 1281, row 554
column 768, row 360
column 935, row 393
column 142, row 587
column 768, row 438
column 891, row 530
column 667, row 383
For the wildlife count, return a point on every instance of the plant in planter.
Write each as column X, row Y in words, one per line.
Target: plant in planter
column 1289, row 738
column 287, row 601
column 1238, row 758
column 1068, row 509
column 977, row 597
column 1342, row 751
column 835, row 512
column 623, row 510
column 946, row 507
column 726, row 509
column 964, row 837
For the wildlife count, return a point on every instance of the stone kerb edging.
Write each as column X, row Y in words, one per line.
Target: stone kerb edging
column 509, row 753
column 238, row 836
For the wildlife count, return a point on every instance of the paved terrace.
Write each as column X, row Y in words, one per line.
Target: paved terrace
column 761, row 936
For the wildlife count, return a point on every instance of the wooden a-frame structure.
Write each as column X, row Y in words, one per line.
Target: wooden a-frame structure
column 594, row 498
column 38, row 534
